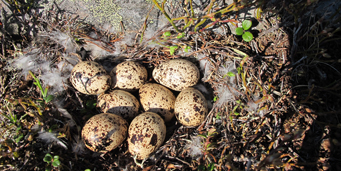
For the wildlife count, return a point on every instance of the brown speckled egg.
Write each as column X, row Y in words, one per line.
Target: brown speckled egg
column 177, row 74
column 190, row 107
column 158, row 99
column 128, row 75
column 90, row 78
column 104, row 132
column 146, row 134
column 119, row 102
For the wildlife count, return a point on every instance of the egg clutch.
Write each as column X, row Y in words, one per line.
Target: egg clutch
column 147, row 131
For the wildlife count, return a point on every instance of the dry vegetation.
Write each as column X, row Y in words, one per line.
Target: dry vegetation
column 275, row 100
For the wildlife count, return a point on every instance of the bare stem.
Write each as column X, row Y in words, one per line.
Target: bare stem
column 162, row 9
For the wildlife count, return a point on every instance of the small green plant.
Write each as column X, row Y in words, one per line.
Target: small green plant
column 218, row 115
column 208, row 146
column 210, row 167
column 238, row 106
column 229, row 74
column 11, row 116
column 51, row 161
column 89, row 105
column 242, row 31
column 172, row 49
column 215, row 98
column 47, row 98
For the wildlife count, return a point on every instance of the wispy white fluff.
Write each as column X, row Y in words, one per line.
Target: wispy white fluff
column 226, row 68
column 149, row 33
column 226, row 92
column 51, row 76
column 252, row 107
column 93, row 35
column 108, row 27
column 202, row 89
column 96, row 50
column 205, row 66
column 55, row 78
column 63, row 39
column 78, row 146
column 59, row 105
column 26, row 62
column 195, row 147
column 128, row 39
column 117, row 48
column 49, row 137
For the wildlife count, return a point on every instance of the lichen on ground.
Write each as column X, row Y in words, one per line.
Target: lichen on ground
column 107, row 11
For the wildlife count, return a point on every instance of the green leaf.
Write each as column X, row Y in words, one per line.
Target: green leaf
column 239, row 31
column 186, row 48
column 172, row 49
column 247, row 24
column 230, row 117
column 55, row 157
column 167, row 33
column 217, row 116
column 210, row 167
column 55, row 163
column 247, row 36
column 215, row 98
column 87, row 170
column 19, row 138
column 201, row 135
column 47, row 158
column 229, row 74
column 180, row 35
column 239, row 69
column 208, row 145
column 91, row 104
column 49, row 98
column 45, row 92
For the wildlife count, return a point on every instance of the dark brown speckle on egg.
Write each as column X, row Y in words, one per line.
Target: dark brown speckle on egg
column 146, row 134
column 102, row 133
column 190, row 107
column 129, row 75
column 90, row 78
column 176, row 74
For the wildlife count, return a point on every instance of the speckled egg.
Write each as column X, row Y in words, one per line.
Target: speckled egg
column 158, row 99
column 90, row 78
column 128, row 75
column 119, row 102
column 146, row 134
column 177, row 74
column 190, row 107
column 104, row 132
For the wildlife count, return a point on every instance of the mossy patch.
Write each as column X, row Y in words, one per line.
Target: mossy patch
column 106, row 11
